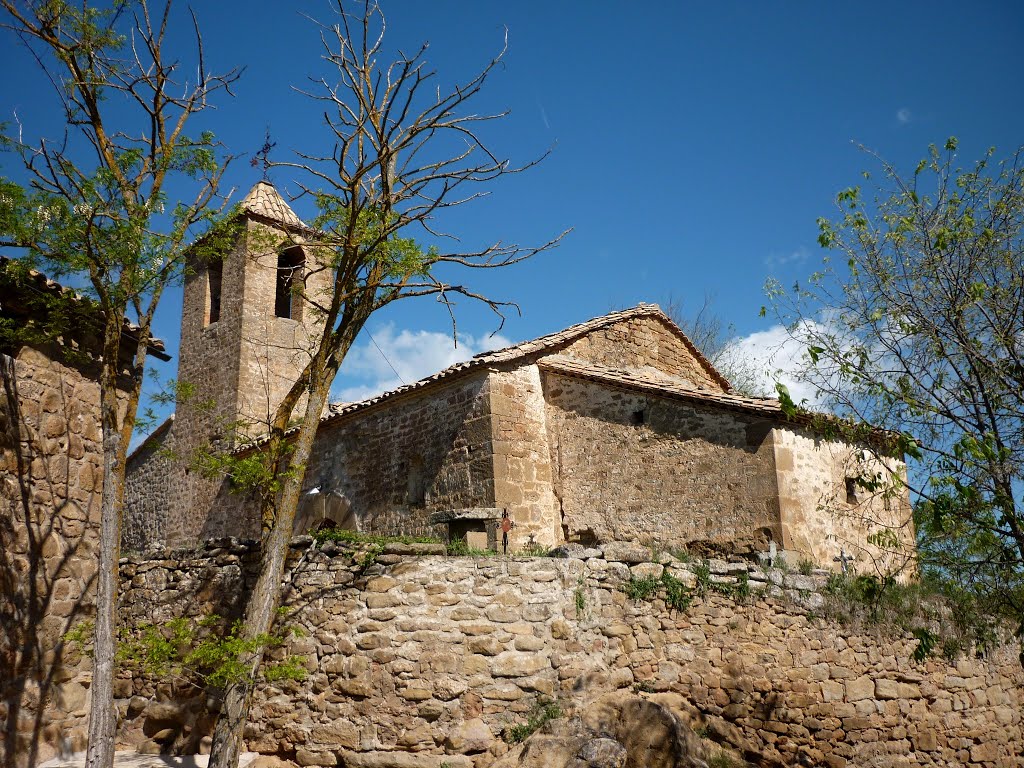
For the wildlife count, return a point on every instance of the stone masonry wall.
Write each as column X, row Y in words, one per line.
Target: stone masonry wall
column 641, row 342
column 399, row 463
column 635, row 467
column 274, row 350
column 820, row 520
column 436, row 656
column 50, row 485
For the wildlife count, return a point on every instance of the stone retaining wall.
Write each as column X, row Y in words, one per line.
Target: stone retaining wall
column 50, row 479
column 436, row 656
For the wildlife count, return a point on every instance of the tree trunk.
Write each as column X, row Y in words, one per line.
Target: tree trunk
column 102, row 715
column 260, row 611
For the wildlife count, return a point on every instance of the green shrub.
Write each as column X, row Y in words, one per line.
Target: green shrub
column 702, row 570
column 205, row 652
column 580, row 596
column 543, row 712
column 459, row 548
column 940, row 615
column 677, row 596
column 343, row 536
column 534, row 550
column 641, row 588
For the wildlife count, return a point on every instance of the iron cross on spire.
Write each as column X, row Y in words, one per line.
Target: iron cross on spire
column 263, row 155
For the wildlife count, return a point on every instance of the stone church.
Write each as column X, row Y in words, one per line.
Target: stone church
column 614, row 429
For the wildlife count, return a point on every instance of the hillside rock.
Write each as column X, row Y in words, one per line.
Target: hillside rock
column 618, row 730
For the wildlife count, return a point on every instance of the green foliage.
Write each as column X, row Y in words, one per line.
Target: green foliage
column 459, row 548
column 543, row 712
column 580, row 596
column 915, row 337
column 742, row 589
column 357, row 538
column 641, row 588
column 204, row 652
column 260, row 472
column 534, row 550
column 926, row 642
column 931, row 609
column 677, row 596
column 805, row 567
column 723, row 760
column 643, row 686
column 681, row 554
column 702, row 570
column 80, row 635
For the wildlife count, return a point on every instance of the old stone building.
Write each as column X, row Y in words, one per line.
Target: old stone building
column 614, row 429
column 50, row 484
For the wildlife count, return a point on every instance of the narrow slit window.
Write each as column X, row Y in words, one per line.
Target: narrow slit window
column 288, row 299
column 638, row 418
column 417, row 487
column 214, row 276
column 851, row 490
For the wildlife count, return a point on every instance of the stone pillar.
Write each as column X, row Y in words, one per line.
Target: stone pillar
column 522, row 458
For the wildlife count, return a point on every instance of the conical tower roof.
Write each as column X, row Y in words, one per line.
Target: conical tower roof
column 265, row 201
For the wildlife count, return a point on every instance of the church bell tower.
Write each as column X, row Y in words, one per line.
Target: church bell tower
column 246, row 329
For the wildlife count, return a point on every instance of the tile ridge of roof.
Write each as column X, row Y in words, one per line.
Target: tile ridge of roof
column 503, row 354
column 567, row 363
column 556, row 337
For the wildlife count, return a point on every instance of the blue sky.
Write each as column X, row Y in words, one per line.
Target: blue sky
column 694, row 144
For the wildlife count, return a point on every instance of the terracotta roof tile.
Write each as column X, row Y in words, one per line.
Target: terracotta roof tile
column 264, row 200
column 42, row 283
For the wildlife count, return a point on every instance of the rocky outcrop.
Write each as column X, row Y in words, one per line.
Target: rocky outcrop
column 617, row 730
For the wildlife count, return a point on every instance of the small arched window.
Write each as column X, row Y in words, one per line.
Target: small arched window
column 288, row 296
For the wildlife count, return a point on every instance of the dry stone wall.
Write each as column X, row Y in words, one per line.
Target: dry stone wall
column 424, row 660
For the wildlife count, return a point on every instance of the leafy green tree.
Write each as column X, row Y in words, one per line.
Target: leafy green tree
column 404, row 151
column 919, row 329
column 94, row 205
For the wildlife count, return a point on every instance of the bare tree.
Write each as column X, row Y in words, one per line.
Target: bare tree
column 95, row 205
column 717, row 342
column 404, row 151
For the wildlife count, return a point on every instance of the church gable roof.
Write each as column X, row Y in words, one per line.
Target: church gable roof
column 536, row 348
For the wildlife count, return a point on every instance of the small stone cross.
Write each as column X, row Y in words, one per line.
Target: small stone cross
column 844, row 560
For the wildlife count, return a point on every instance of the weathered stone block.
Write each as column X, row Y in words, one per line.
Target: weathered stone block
column 516, row 664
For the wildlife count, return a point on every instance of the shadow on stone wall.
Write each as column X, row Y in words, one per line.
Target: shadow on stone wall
column 43, row 576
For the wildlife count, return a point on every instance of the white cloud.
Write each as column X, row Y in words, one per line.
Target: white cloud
column 903, row 115
column 402, row 357
column 768, row 357
column 775, row 259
